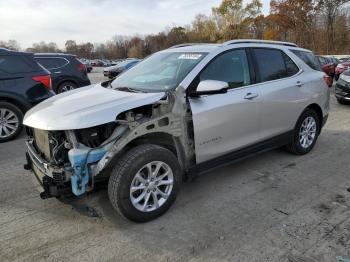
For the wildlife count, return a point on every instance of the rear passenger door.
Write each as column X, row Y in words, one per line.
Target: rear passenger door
column 280, row 85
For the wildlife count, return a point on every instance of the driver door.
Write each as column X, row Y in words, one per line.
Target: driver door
column 224, row 123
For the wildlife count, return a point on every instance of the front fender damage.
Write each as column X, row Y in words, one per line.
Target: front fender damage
column 171, row 116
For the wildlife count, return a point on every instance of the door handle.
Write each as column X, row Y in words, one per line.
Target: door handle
column 250, row 96
column 300, row 84
column 58, row 72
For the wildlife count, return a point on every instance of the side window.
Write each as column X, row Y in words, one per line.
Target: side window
column 45, row 62
column 273, row 64
column 14, row 64
column 231, row 67
column 51, row 63
column 308, row 58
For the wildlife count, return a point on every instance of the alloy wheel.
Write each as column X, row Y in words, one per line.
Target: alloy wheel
column 307, row 132
column 66, row 88
column 151, row 186
column 9, row 122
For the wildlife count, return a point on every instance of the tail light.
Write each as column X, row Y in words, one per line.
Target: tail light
column 328, row 80
column 45, row 80
column 82, row 67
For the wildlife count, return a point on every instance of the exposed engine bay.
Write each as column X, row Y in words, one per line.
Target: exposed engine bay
column 77, row 158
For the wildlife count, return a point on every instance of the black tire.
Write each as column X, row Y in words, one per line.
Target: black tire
column 336, row 77
column 19, row 115
column 123, row 175
column 66, row 86
column 295, row 146
column 342, row 101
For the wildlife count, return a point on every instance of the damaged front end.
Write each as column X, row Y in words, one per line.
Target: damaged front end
column 72, row 161
column 62, row 160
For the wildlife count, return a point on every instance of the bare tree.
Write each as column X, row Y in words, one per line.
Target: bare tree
column 331, row 9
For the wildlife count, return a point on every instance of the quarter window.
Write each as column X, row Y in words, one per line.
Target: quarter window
column 231, row 67
column 309, row 59
column 273, row 64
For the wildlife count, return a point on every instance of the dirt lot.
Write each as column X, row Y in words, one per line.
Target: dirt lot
column 272, row 207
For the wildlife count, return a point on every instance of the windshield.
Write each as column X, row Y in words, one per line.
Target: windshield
column 159, row 72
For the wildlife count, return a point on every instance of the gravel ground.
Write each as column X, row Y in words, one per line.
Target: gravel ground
column 271, row 207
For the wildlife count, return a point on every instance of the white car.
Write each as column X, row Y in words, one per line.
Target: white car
column 181, row 111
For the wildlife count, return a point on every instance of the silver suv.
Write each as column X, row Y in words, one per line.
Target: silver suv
column 181, row 111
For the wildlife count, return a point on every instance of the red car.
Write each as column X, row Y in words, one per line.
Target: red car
column 341, row 68
column 328, row 66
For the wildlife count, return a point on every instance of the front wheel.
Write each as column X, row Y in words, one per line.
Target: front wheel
column 306, row 132
column 144, row 182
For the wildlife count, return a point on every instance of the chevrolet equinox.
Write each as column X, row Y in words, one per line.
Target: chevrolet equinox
column 181, row 111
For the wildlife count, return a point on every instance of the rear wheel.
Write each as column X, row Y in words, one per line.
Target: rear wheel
column 66, row 86
column 144, row 182
column 11, row 118
column 305, row 134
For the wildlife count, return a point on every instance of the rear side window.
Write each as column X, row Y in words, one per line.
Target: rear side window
column 51, row 63
column 273, row 64
column 15, row 64
column 231, row 67
column 308, row 58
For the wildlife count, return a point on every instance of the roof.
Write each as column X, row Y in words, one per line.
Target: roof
column 4, row 51
column 53, row 54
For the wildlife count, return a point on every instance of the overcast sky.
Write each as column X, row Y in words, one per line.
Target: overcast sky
column 32, row 21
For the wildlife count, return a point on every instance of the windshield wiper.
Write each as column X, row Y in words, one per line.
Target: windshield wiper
column 129, row 89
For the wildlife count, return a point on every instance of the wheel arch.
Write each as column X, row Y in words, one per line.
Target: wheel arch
column 22, row 105
column 163, row 139
column 319, row 112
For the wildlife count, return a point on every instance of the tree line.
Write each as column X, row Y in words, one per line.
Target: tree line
column 320, row 25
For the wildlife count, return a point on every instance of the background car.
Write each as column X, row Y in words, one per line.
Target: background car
column 342, row 88
column 341, row 68
column 67, row 72
column 344, row 59
column 23, row 84
column 328, row 65
column 87, row 64
column 114, row 71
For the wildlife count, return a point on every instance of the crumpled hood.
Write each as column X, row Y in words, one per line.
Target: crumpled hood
column 85, row 107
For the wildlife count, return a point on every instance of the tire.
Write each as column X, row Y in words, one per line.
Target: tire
column 299, row 146
column 66, row 86
column 342, row 101
column 11, row 118
column 131, row 169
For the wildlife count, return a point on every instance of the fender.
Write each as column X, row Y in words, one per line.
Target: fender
column 18, row 100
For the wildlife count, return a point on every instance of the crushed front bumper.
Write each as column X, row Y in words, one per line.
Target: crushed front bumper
column 51, row 181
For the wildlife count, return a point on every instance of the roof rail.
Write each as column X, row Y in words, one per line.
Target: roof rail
column 186, row 44
column 256, row 41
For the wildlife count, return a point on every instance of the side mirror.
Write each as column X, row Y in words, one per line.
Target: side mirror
column 210, row 87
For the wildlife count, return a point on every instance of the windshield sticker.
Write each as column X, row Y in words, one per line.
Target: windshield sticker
column 190, row 56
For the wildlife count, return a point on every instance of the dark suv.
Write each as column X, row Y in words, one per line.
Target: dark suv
column 67, row 72
column 23, row 84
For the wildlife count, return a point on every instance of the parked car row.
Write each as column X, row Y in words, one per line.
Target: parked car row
column 114, row 71
column 27, row 79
